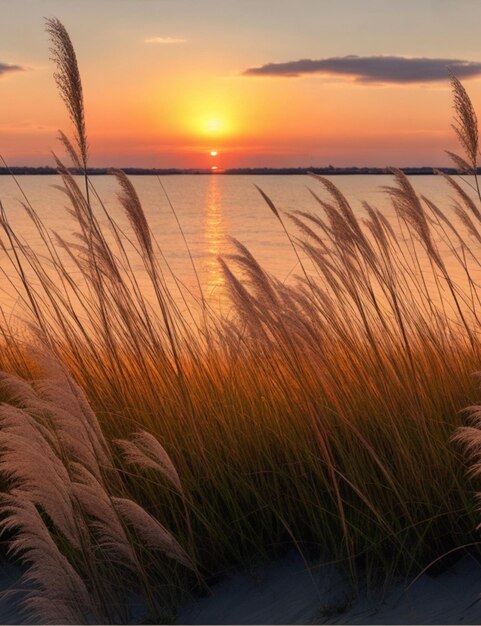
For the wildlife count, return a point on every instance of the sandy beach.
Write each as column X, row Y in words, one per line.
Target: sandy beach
column 287, row 592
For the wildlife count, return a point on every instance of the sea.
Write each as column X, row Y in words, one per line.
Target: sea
column 202, row 212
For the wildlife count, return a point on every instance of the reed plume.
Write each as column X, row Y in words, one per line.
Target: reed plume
column 69, row 149
column 145, row 451
column 69, row 85
column 463, row 166
column 67, row 506
column 60, row 596
column 133, row 208
column 465, row 124
column 409, row 208
column 152, row 532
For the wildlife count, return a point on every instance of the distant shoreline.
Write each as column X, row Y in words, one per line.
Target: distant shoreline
column 255, row 171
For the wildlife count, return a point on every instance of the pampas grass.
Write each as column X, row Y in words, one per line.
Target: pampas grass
column 86, row 545
column 465, row 126
column 69, row 85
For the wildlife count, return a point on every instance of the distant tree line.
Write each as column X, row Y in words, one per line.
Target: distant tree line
column 141, row 171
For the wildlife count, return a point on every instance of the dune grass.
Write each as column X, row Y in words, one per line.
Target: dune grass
column 318, row 414
column 87, row 547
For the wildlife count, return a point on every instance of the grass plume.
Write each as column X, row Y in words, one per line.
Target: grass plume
column 69, row 85
column 76, row 530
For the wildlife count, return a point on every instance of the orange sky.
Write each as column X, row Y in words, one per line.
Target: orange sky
column 164, row 81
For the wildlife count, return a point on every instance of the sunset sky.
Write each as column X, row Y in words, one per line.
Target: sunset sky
column 262, row 82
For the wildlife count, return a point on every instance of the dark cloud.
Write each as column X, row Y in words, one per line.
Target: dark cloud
column 6, row 68
column 375, row 69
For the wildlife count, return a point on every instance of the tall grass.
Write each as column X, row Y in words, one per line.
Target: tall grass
column 318, row 415
column 87, row 546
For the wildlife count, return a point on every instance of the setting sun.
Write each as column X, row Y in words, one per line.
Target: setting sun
column 214, row 125
column 203, row 125
column 213, row 153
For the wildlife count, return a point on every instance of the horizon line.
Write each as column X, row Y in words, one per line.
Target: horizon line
column 139, row 170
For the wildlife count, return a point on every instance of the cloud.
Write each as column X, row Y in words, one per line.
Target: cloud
column 373, row 69
column 6, row 68
column 26, row 127
column 165, row 40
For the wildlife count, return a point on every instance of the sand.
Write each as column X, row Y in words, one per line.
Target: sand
column 288, row 593
column 11, row 595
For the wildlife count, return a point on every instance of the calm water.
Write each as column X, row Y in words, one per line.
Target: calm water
column 210, row 209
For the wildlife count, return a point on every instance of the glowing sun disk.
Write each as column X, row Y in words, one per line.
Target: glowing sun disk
column 213, row 125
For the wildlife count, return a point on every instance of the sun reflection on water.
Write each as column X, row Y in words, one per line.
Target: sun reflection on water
column 214, row 237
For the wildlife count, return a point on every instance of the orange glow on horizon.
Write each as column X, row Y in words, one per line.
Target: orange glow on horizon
column 202, row 120
column 319, row 123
